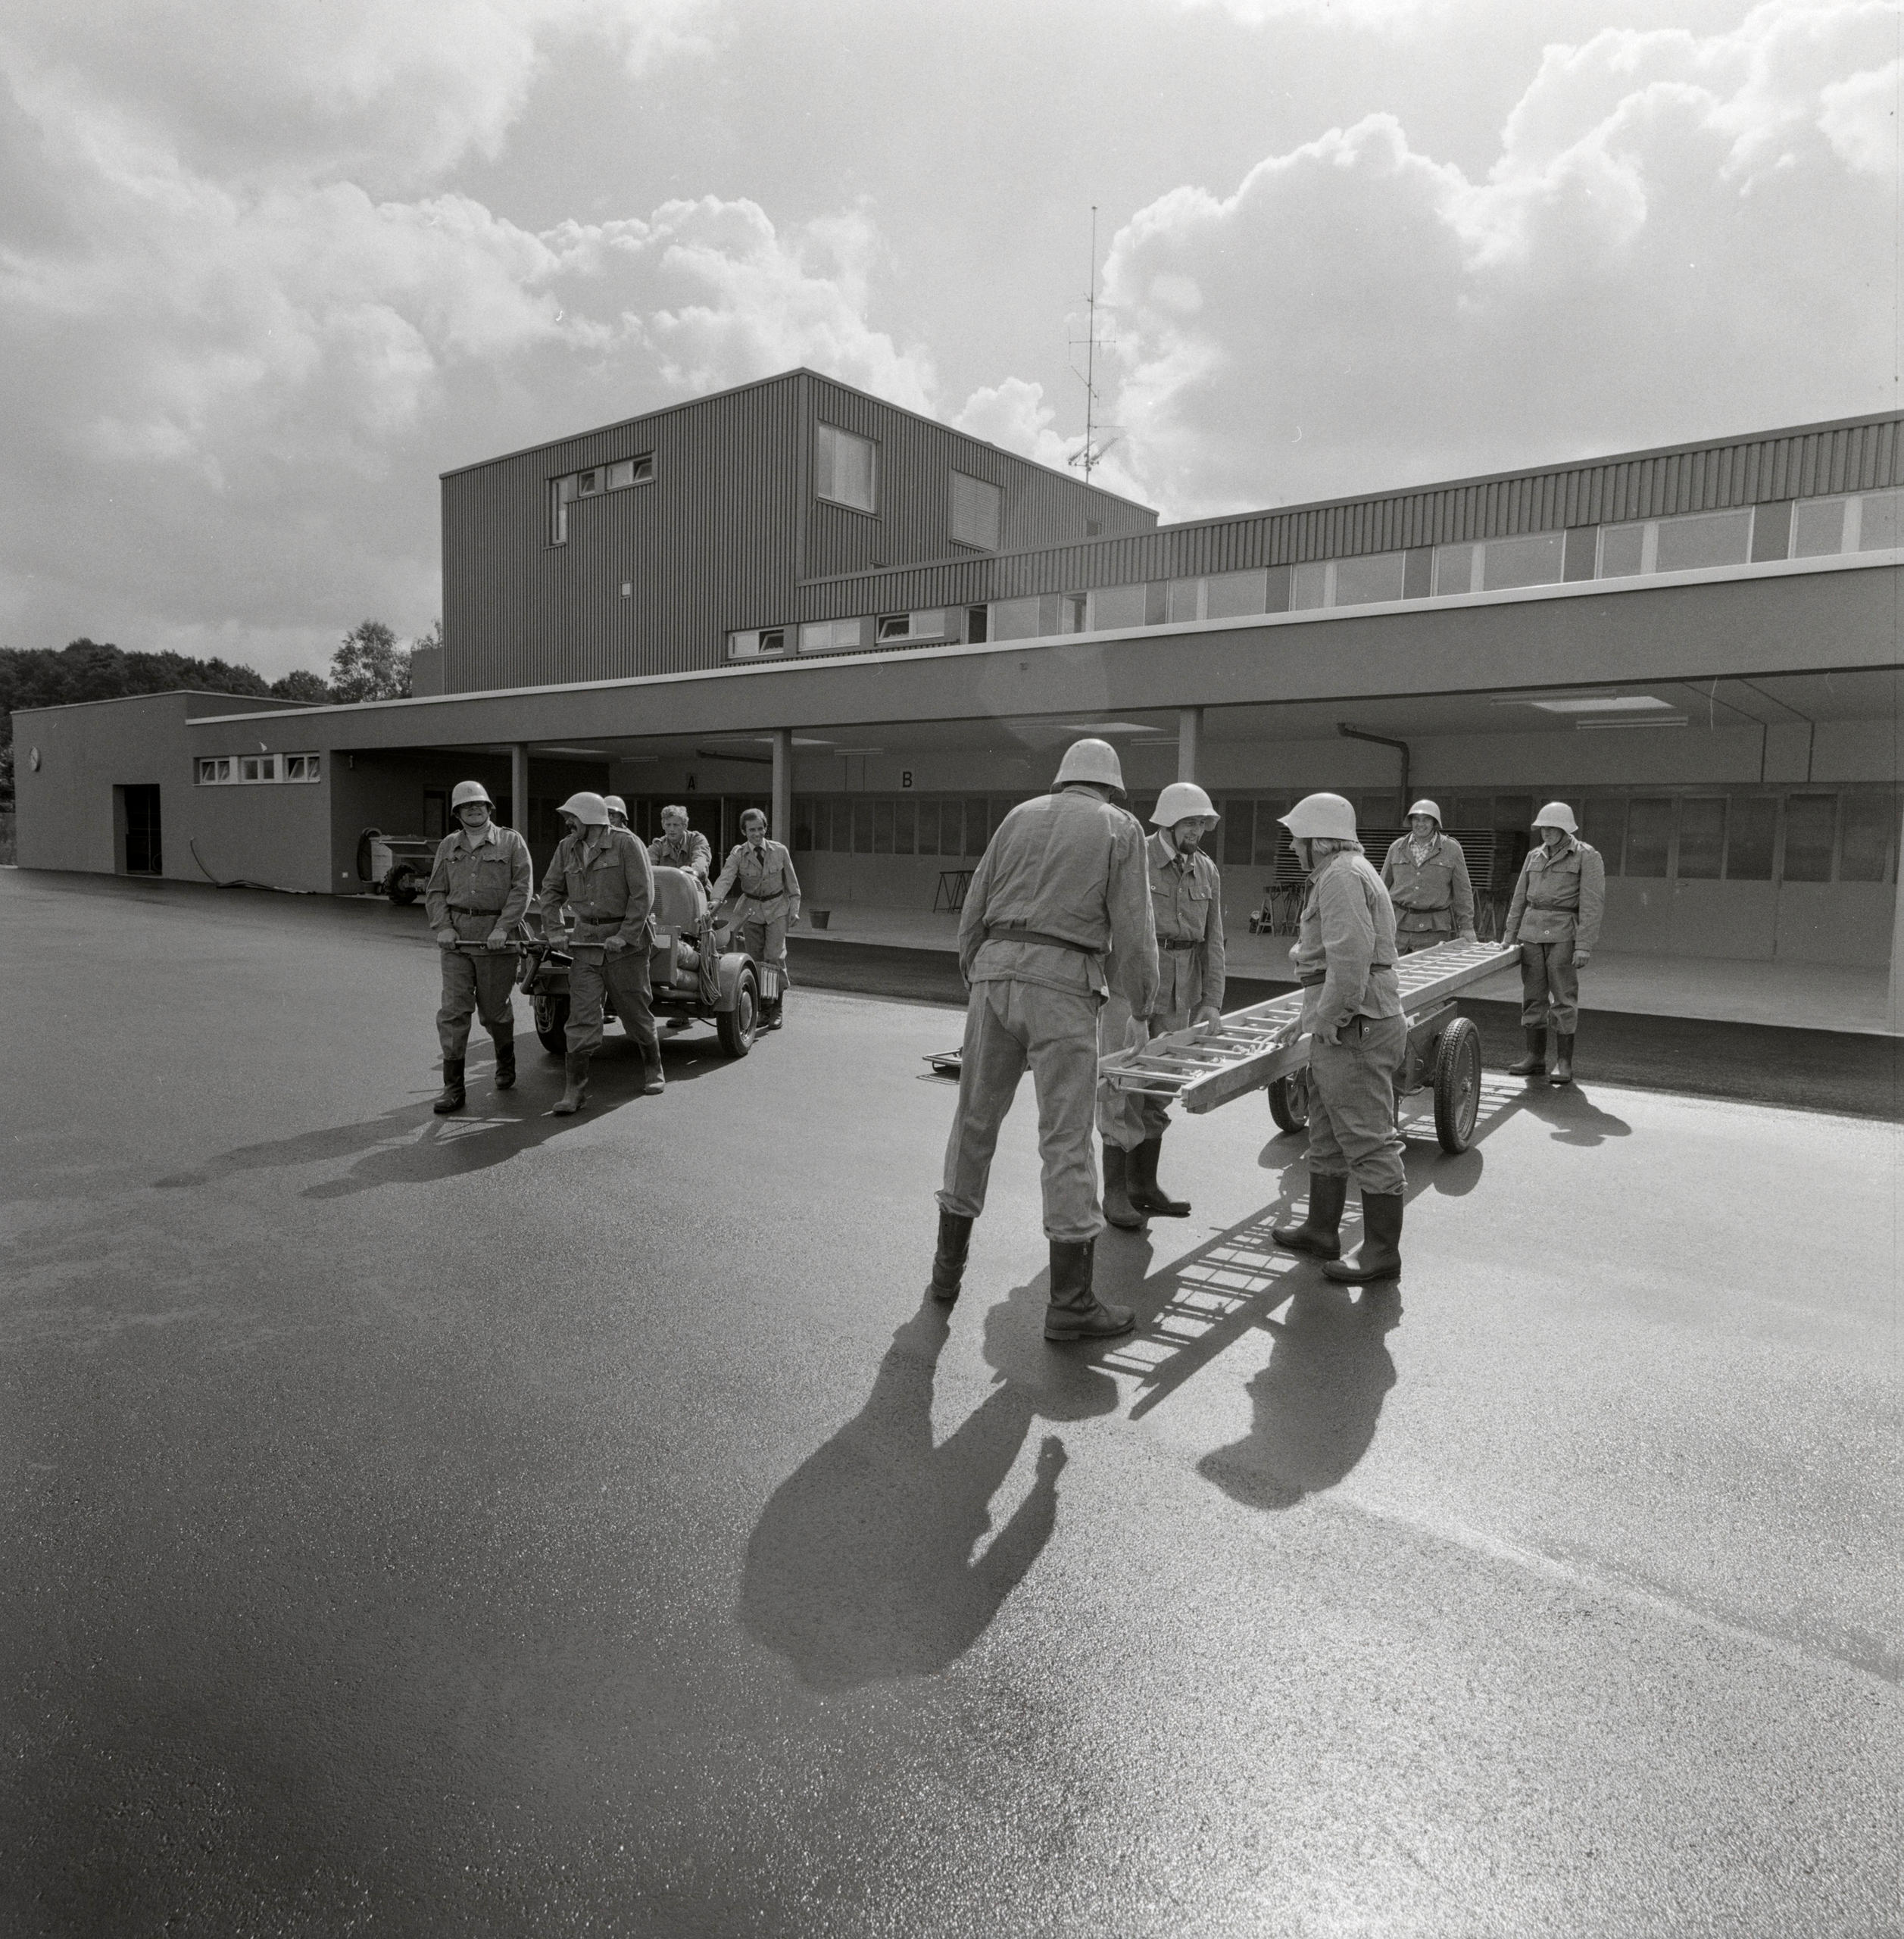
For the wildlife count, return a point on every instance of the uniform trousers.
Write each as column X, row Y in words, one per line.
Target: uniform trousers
column 765, row 939
column 1128, row 1118
column 1009, row 1025
column 1408, row 941
column 622, row 973
column 474, row 983
column 1352, row 1103
column 1549, row 986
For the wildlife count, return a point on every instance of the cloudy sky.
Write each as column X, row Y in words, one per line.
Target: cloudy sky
column 265, row 270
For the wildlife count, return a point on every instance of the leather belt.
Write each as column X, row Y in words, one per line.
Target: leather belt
column 1177, row 945
column 1002, row 935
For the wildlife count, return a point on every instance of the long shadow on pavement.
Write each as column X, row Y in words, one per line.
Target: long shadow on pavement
column 862, row 1566
column 409, row 1144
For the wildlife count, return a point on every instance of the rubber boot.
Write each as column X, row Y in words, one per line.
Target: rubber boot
column 1146, row 1195
column 1076, row 1311
column 575, row 1070
column 1379, row 1256
column 1534, row 1064
column 505, row 1042
column 948, row 1260
column 1319, row 1235
column 1563, row 1058
column 1118, row 1208
column 654, row 1079
column 452, row 1097
column 773, row 1016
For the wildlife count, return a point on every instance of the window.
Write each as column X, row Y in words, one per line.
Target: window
column 1702, row 838
column 1602, row 822
column 1864, row 853
column 592, row 484
column 977, row 512
column 1111, row 607
column 1749, row 842
column 905, row 819
column 210, row 772
column 232, row 770
column 844, row 472
column 896, row 627
column 1232, row 596
column 1649, row 835
column 1270, row 832
column 1532, row 559
column 1183, row 600
column 1676, row 545
column 301, row 767
column 1360, row 582
column 830, row 636
column 978, row 827
column 1869, row 522
column 762, row 643
column 1811, row 822
column 1238, row 827
column 588, row 483
column 929, row 827
column 882, row 826
column 974, row 625
column 1015, row 619
column 630, row 471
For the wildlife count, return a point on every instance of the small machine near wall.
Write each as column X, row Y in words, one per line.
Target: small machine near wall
column 397, row 865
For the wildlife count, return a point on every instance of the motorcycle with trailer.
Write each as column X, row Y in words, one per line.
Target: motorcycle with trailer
column 693, row 976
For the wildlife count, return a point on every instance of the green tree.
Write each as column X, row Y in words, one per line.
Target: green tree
column 370, row 665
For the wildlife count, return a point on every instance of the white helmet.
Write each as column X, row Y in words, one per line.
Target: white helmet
column 589, row 810
column 1178, row 802
column 466, row 792
column 1425, row 807
column 1328, row 816
column 1557, row 814
column 615, row 805
column 1091, row 760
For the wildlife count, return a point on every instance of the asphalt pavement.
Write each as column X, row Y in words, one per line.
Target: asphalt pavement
column 513, row 1524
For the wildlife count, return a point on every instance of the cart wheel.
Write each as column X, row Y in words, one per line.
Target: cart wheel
column 552, row 1023
column 405, row 884
column 1289, row 1101
column 735, row 1027
column 1457, row 1085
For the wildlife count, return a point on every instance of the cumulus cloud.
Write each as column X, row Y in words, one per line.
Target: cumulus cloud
column 1681, row 235
column 230, row 367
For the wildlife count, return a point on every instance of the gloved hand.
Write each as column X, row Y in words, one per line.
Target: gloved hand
column 445, row 939
column 498, row 939
column 1582, row 957
column 1206, row 1014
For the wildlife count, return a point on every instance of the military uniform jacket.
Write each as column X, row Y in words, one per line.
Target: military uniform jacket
column 1345, row 946
column 689, row 851
column 604, row 876
column 1070, row 866
column 1559, row 896
column 1434, row 893
column 1186, row 902
column 491, row 877
column 766, row 879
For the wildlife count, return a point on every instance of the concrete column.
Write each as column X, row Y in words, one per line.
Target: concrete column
column 1894, row 1013
column 519, row 788
column 1190, row 742
column 781, row 826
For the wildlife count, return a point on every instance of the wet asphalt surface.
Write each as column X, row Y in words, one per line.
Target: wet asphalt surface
column 509, row 1524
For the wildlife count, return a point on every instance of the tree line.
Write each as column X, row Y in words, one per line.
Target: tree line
column 369, row 663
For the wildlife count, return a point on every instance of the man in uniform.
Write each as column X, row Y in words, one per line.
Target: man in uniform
column 678, row 846
column 1062, row 886
column 763, row 870
column 1351, row 1008
column 1555, row 918
column 1426, row 876
column 602, row 873
column 477, row 893
column 1187, row 901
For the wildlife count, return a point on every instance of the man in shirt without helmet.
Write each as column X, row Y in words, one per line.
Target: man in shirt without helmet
column 1351, row 1008
column 1187, row 903
column 477, row 892
column 1554, row 919
column 1061, row 888
column 762, row 871
column 602, row 873
column 678, row 846
column 1426, row 875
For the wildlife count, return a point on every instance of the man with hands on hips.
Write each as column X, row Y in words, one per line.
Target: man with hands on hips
column 1554, row 919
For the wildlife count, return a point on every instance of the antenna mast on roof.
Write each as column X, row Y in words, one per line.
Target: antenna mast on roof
column 1091, row 453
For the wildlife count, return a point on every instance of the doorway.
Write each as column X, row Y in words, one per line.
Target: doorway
column 142, row 854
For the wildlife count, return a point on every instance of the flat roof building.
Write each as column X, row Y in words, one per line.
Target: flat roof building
column 796, row 594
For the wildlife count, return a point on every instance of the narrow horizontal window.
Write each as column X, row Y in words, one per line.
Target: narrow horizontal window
column 830, row 636
column 587, row 484
column 894, row 626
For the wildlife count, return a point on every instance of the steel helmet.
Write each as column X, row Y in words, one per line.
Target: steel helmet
column 1091, row 760
column 1425, row 807
column 589, row 810
column 1328, row 816
column 466, row 792
column 1557, row 814
column 1178, row 802
column 615, row 805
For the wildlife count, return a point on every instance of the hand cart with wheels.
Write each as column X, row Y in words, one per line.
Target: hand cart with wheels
column 1264, row 1047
